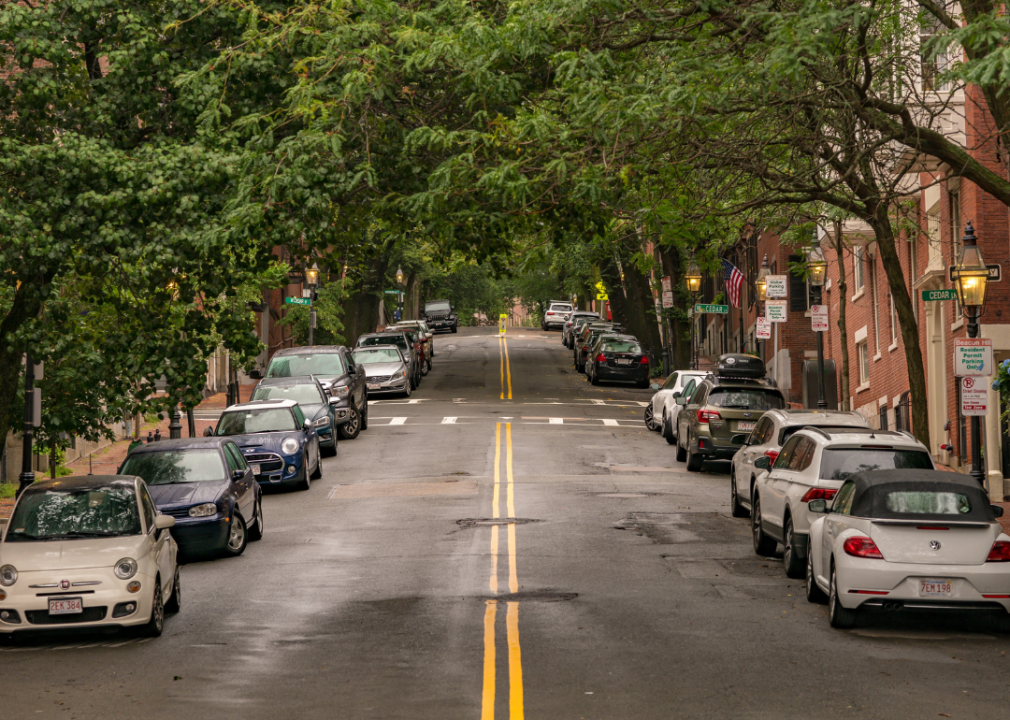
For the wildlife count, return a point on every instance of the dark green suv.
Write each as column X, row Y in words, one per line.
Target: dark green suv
column 717, row 413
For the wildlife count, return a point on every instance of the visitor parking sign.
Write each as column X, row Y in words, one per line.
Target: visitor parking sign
column 972, row 357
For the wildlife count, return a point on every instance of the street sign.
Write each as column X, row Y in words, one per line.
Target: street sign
column 297, row 301
column 819, row 318
column 601, row 293
column 974, row 397
column 777, row 286
column 667, row 285
column 711, row 309
column 391, row 292
column 946, row 294
column 775, row 310
column 995, row 272
column 763, row 329
column 667, row 298
column 972, row 357
column 307, row 293
column 502, row 323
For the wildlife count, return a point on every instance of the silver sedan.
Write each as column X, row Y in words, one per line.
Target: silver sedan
column 386, row 370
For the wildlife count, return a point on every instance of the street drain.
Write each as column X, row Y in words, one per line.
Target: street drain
column 473, row 522
column 534, row 596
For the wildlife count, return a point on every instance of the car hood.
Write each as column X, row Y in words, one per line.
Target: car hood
column 390, row 368
column 69, row 554
column 194, row 493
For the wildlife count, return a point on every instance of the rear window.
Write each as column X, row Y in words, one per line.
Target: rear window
column 746, row 399
column 398, row 340
column 621, row 347
column 917, row 502
column 560, row 307
column 839, row 463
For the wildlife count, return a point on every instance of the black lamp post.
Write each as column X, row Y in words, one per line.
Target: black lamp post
column 817, row 268
column 693, row 280
column 761, row 285
column 312, row 282
column 175, row 426
column 971, row 279
column 399, row 295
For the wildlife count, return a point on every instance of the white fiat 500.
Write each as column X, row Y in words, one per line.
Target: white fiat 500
column 85, row 552
column 905, row 540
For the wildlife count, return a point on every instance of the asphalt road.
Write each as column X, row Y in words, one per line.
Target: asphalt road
column 474, row 556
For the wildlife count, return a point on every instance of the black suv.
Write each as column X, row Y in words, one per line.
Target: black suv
column 440, row 315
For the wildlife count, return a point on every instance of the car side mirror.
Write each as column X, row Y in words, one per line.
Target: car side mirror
column 255, row 374
column 739, row 439
column 818, row 506
column 208, row 432
column 307, row 425
column 678, row 393
column 763, row 463
column 681, row 400
column 997, row 511
column 334, row 400
column 654, row 386
column 238, row 474
column 163, row 522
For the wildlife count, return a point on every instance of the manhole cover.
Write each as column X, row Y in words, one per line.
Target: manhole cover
column 472, row 522
column 534, row 596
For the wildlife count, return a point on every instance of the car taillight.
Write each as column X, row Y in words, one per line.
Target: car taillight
column 705, row 415
column 549, row 312
column 862, row 546
column 585, row 348
column 772, row 455
column 645, row 360
column 1000, row 552
column 818, row 494
column 601, row 358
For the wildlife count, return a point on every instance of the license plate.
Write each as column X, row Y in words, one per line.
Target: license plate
column 255, row 469
column 66, row 606
column 745, row 426
column 935, row 588
column 621, row 361
column 374, row 386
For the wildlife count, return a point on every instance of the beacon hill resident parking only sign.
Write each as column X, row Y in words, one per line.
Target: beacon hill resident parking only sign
column 972, row 357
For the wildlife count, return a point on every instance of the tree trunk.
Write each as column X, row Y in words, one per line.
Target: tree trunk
column 679, row 324
column 843, row 335
column 615, row 291
column 642, row 310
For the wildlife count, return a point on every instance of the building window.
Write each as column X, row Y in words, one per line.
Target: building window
column 932, row 62
column 857, row 269
column 883, row 418
column 894, row 322
column 864, row 363
column 933, row 235
column 876, row 314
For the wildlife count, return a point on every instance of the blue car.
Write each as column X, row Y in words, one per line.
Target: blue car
column 311, row 398
column 280, row 444
column 208, row 487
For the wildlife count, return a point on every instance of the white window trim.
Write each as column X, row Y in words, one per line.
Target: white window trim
column 876, row 308
column 860, row 334
column 858, row 272
column 958, row 325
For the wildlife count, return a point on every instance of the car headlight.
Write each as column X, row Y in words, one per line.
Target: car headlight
column 205, row 510
column 400, row 375
column 290, row 446
column 322, row 422
column 125, row 568
column 8, row 575
column 340, row 391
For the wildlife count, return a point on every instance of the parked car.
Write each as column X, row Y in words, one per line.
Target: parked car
column 400, row 340
column 386, row 369
column 277, row 440
column 312, row 399
column 207, row 486
column 333, row 366
column 570, row 319
column 575, row 330
column 429, row 348
column 418, row 343
column 665, row 401
column 618, row 358
column 585, row 341
column 770, row 433
column 89, row 551
column 906, row 541
column 813, row 464
column 710, row 420
column 440, row 315
column 555, row 314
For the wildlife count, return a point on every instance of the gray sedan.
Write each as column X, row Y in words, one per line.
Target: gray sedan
column 386, row 370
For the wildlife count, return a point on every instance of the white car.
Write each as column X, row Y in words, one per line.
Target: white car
column 772, row 431
column 813, row 464
column 556, row 313
column 664, row 397
column 906, row 540
column 89, row 551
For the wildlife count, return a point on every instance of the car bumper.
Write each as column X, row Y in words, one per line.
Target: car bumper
column 326, row 437
column 285, row 474
column 711, row 450
column 441, row 324
column 194, row 535
column 389, row 388
column 627, row 374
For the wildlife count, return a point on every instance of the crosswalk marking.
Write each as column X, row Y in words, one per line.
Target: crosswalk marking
column 448, row 421
column 557, row 421
column 397, row 420
column 599, row 402
column 612, row 423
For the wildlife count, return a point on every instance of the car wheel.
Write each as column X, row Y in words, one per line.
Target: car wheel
column 407, row 389
column 256, row 529
column 413, row 382
column 237, row 536
column 454, row 329
column 424, row 368
column 429, row 364
column 594, row 380
column 174, row 603
column 650, row 419
column 317, row 474
column 156, row 625
column 330, row 451
column 364, row 416
column 839, row 617
column 764, row 545
column 667, row 432
column 814, row 592
column 350, row 429
column 694, row 462
column 681, row 452
column 790, row 559
column 642, row 384
column 739, row 511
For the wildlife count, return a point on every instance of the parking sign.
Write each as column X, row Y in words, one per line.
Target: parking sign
column 974, row 398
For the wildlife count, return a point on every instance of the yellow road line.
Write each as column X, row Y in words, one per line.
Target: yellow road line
column 508, row 367
column 516, row 706
column 501, row 364
column 494, row 559
column 508, row 471
column 497, row 471
column 487, row 698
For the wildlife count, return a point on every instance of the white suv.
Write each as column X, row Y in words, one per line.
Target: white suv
column 557, row 313
column 664, row 402
column 772, row 431
column 813, row 464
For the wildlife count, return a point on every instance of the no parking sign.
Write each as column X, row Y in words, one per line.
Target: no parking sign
column 974, row 397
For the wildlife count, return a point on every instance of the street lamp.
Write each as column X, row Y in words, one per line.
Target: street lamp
column 399, row 295
column 761, row 286
column 693, row 280
column 312, row 282
column 971, row 279
column 817, row 268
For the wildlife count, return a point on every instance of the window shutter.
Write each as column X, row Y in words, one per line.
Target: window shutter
column 797, row 289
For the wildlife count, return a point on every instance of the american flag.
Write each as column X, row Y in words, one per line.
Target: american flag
column 734, row 279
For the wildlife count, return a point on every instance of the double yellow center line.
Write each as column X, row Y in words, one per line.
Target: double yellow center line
column 516, row 706
column 506, row 370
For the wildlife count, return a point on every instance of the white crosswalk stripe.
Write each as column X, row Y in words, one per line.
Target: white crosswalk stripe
column 448, row 421
column 557, row 421
column 612, row 423
column 397, row 420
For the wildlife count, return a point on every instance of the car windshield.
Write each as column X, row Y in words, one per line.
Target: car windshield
column 176, row 466
column 305, row 394
column 103, row 511
column 296, row 365
column 379, row 355
column 839, row 463
column 398, row 340
column 788, row 432
column 745, row 399
column 917, row 502
column 441, row 307
column 256, row 420
column 621, row 346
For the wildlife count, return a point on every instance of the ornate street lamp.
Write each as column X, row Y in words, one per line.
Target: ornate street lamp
column 971, row 279
column 693, row 280
column 311, row 283
column 399, row 295
column 762, row 280
column 817, row 268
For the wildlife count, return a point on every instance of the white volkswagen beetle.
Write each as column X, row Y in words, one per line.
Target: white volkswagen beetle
column 907, row 540
column 87, row 552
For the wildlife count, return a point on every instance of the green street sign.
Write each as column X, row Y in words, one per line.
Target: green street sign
column 711, row 309
column 928, row 295
column 391, row 292
column 297, row 301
